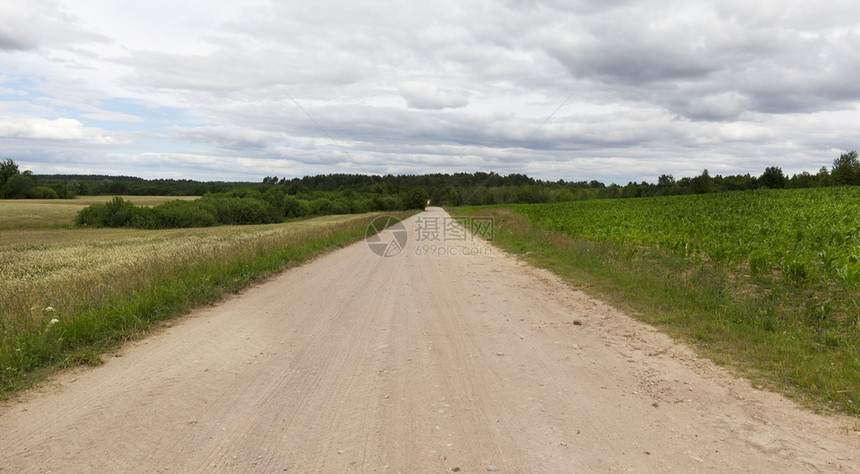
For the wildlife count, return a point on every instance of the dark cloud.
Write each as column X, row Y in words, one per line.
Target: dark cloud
column 44, row 24
column 229, row 137
column 236, row 70
column 576, row 6
column 10, row 43
column 632, row 64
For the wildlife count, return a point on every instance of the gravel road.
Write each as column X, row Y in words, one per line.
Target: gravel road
column 417, row 362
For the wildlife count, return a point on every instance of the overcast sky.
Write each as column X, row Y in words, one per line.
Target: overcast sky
column 613, row 90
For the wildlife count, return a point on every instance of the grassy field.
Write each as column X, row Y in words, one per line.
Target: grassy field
column 809, row 236
column 68, row 294
column 22, row 213
column 764, row 282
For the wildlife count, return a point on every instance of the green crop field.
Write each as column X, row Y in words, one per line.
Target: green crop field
column 18, row 213
column 766, row 281
column 806, row 236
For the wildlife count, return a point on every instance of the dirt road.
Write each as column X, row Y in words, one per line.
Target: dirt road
column 413, row 363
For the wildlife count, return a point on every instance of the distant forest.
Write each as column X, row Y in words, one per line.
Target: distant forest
column 381, row 192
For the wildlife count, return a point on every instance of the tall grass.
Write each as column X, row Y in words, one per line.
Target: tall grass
column 68, row 294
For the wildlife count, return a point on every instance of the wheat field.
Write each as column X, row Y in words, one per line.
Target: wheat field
column 24, row 213
column 50, row 273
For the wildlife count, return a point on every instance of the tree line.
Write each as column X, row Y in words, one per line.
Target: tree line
column 350, row 193
column 845, row 171
column 15, row 184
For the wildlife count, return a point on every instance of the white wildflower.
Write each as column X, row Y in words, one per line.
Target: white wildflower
column 54, row 321
column 49, row 309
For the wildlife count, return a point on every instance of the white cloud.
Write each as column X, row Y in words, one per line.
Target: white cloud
column 64, row 129
column 745, row 131
column 426, row 96
column 663, row 86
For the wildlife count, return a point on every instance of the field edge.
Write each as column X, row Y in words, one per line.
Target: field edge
column 28, row 356
column 711, row 322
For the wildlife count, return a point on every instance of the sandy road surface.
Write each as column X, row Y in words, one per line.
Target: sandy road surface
column 413, row 363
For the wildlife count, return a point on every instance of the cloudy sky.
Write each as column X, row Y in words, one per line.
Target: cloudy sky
column 614, row 90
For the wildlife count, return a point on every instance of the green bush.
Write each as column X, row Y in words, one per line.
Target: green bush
column 415, row 198
column 275, row 196
column 294, row 207
column 91, row 216
column 241, row 207
column 341, row 206
column 321, row 207
column 242, row 211
column 41, row 192
column 8, row 168
column 119, row 212
column 17, row 186
column 179, row 214
column 173, row 214
column 115, row 213
column 62, row 191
